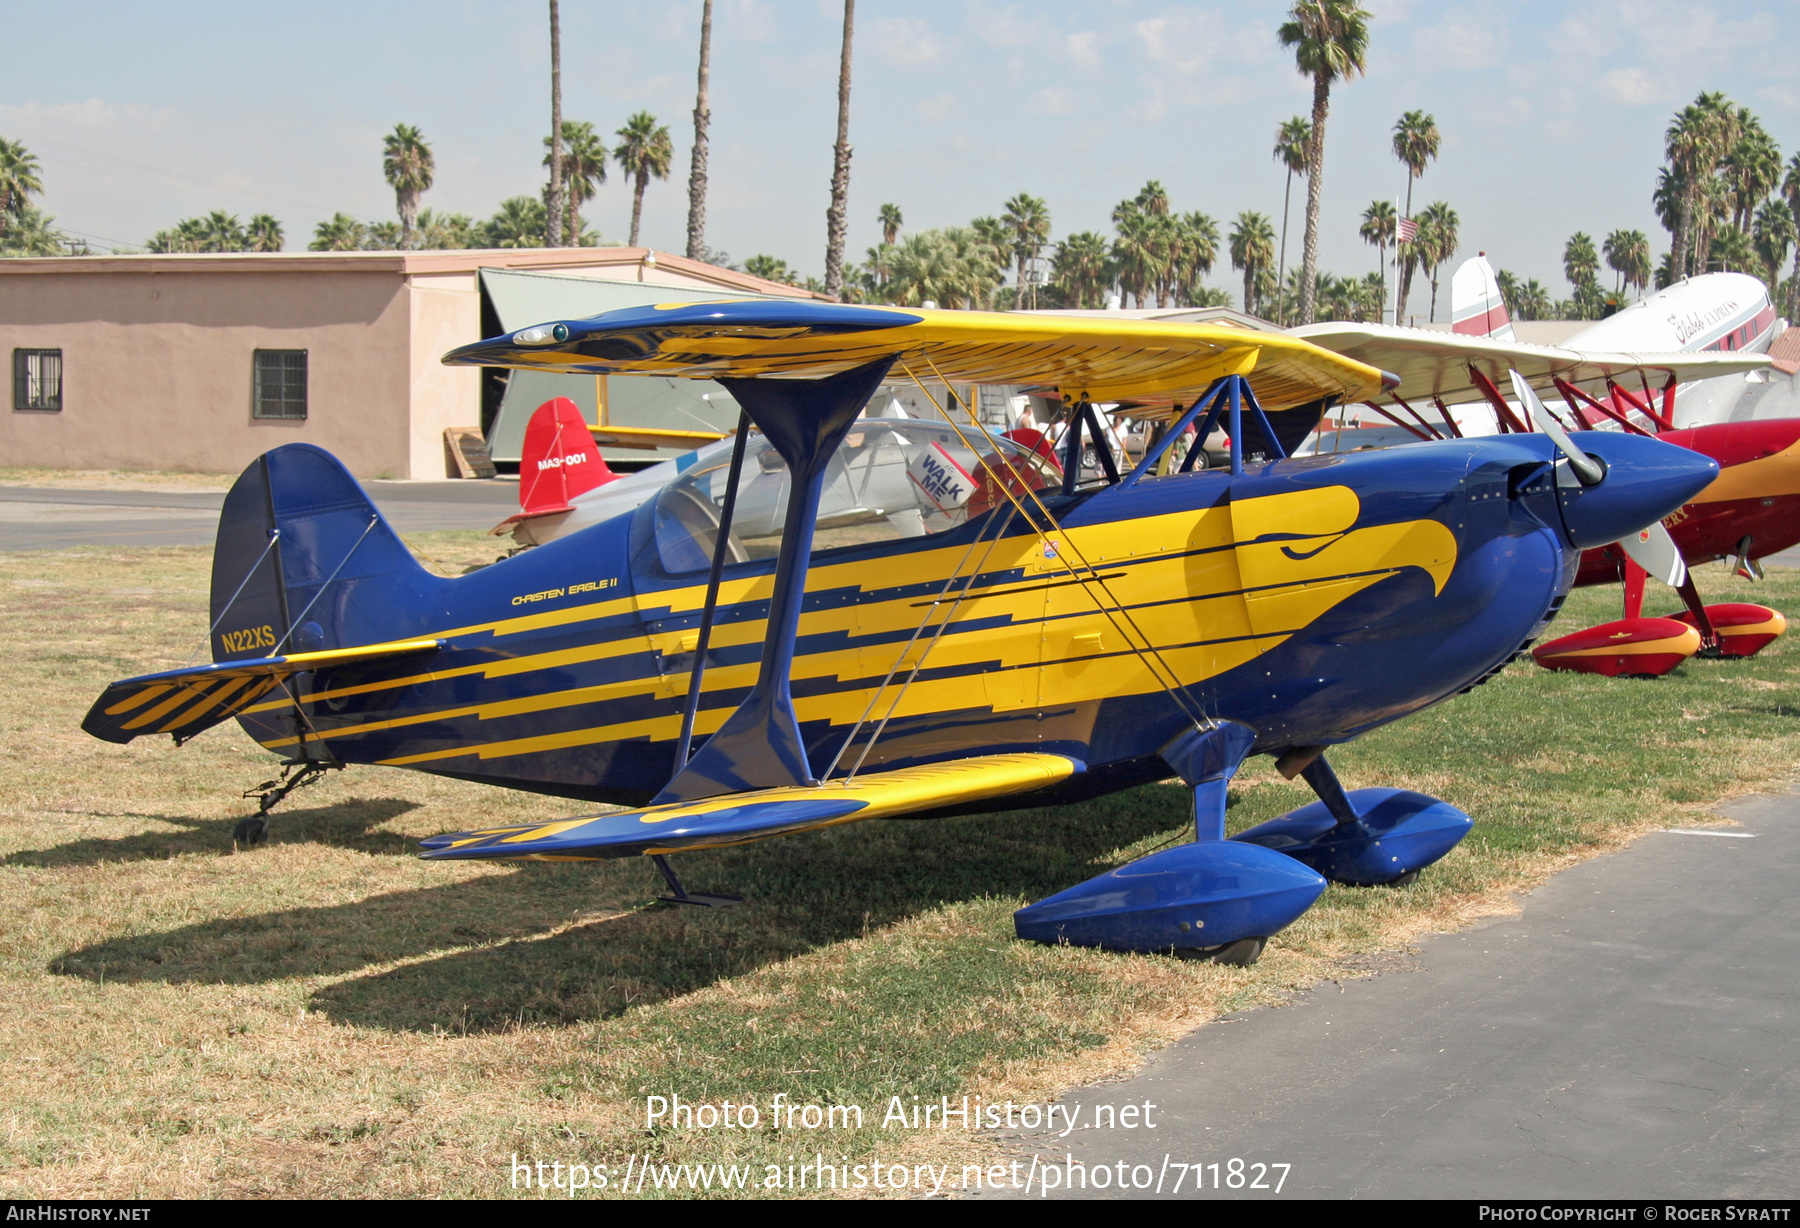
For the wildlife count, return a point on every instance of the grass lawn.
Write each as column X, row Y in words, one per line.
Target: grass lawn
column 329, row 1016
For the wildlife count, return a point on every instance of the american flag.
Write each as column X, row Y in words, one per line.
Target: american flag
column 1409, row 230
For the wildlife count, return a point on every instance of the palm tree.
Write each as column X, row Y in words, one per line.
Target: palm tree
column 407, row 162
column 1731, row 251
column 1790, row 192
column 1379, row 224
column 1292, row 141
column 33, row 233
column 954, row 268
column 448, row 230
column 1702, row 134
column 19, row 182
column 696, row 247
column 340, row 233
column 1534, row 301
column 583, row 166
column 1252, row 250
column 1628, row 254
column 1330, row 39
column 520, row 222
column 263, row 234
column 840, row 167
column 1775, row 234
column 553, row 224
column 1134, row 252
column 1197, row 247
column 1752, row 169
column 1081, row 271
column 1415, row 144
column 1438, row 241
column 223, row 232
column 771, row 268
column 876, row 268
column 643, row 151
column 1580, row 263
column 891, row 222
column 1028, row 219
column 1153, row 198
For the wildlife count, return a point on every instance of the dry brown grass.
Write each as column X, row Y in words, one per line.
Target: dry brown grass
column 328, row 1016
column 117, row 479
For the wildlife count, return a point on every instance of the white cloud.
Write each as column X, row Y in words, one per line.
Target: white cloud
column 1461, row 40
column 907, row 40
column 1633, row 85
column 1083, row 49
column 750, row 20
column 1051, row 102
column 938, row 108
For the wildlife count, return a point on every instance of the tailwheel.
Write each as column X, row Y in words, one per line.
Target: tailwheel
column 1405, row 880
column 250, row 832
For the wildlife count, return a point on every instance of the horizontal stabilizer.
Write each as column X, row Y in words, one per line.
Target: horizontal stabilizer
column 184, row 702
column 651, row 438
column 738, row 818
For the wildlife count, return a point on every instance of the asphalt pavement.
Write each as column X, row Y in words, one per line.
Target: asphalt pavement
column 1630, row 1035
column 43, row 518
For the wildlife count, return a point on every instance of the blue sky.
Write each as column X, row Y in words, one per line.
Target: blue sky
column 1552, row 113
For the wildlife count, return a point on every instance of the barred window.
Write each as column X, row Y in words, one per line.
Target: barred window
column 37, row 379
column 280, row 384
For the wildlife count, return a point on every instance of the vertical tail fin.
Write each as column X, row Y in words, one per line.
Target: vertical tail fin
column 559, row 459
column 1476, row 306
column 304, row 562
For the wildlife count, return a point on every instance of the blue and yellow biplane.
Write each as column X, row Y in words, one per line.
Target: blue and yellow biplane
column 1058, row 638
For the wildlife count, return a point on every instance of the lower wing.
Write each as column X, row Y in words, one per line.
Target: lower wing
column 738, row 818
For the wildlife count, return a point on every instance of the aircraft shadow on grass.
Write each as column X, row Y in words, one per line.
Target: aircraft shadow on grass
column 349, row 824
column 802, row 893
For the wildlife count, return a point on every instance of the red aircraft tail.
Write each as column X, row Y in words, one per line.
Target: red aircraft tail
column 559, row 461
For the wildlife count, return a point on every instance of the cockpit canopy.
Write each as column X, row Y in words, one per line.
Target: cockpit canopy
column 889, row 479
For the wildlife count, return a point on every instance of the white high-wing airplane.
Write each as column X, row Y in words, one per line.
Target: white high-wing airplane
column 1689, row 355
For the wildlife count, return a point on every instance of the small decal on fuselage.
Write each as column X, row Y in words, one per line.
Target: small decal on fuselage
column 249, row 637
column 551, row 594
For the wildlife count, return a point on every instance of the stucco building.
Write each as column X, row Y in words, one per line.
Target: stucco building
column 202, row 362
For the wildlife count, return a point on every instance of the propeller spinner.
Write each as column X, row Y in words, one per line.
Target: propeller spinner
column 1651, row 547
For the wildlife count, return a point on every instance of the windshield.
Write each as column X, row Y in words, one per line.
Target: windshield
column 889, row 479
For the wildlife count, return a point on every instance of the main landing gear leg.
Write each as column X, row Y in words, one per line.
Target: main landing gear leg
column 681, row 895
column 1690, row 597
column 1365, row 838
column 1214, row 899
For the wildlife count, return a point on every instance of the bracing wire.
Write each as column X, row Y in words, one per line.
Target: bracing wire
column 1166, row 677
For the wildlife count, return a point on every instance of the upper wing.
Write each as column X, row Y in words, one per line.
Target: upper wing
column 737, row 818
column 1437, row 364
column 184, row 702
column 1099, row 359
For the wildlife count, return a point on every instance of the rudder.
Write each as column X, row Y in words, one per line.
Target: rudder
column 1477, row 308
column 300, row 542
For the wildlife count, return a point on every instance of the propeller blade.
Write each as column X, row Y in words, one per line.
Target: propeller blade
column 1656, row 552
column 1585, row 469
